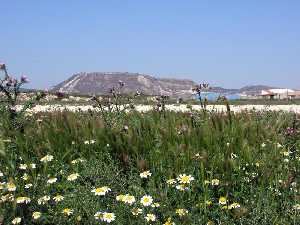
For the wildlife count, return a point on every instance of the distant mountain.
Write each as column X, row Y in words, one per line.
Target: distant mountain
column 100, row 83
column 254, row 89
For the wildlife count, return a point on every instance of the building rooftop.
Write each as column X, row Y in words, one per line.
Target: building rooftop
column 295, row 93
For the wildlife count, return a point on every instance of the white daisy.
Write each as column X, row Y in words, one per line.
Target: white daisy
column 146, row 200
column 101, row 191
column 145, row 174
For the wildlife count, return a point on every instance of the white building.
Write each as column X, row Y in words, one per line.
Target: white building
column 294, row 95
column 279, row 93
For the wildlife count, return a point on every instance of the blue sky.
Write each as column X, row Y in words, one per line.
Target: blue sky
column 226, row 43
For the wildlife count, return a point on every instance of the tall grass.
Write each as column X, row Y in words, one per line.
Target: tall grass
column 249, row 158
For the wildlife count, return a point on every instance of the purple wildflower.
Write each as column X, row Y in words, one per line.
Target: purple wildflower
column 121, row 83
column 24, row 79
column 289, row 131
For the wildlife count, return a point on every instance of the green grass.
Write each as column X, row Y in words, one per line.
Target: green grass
column 255, row 161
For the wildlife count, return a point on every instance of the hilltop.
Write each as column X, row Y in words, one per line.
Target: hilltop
column 100, row 83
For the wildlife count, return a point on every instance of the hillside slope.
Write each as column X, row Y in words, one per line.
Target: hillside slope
column 100, row 83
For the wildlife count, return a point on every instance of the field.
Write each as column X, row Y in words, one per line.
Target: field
column 168, row 164
column 196, row 167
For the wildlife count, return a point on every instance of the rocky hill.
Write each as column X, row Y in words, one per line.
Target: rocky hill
column 100, row 83
column 254, row 89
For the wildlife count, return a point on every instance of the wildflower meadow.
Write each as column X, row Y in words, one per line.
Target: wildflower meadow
column 158, row 167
